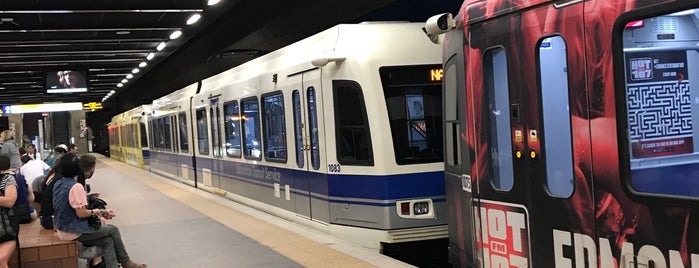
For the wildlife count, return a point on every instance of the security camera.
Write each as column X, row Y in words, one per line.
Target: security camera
column 439, row 24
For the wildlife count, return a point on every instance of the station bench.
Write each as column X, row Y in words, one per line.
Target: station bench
column 42, row 248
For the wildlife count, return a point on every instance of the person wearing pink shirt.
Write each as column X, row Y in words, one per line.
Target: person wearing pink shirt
column 71, row 217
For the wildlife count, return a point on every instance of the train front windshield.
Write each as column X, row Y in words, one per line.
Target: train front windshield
column 414, row 101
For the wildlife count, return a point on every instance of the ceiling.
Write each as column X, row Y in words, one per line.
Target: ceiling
column 109, row 38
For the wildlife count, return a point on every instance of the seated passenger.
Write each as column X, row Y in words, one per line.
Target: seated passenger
column 32, row 168
column 46, row 192
column 71, row 217
column 8, row 186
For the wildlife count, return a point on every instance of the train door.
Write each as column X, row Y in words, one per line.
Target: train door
column 459, row 186
column 308, row 142
column 216, row 150
column 175, row 145
column 523, row 102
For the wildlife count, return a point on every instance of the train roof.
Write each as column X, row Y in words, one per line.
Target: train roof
column 358, row 43
column 167, row 101
column 137, row 111
column 478, row 10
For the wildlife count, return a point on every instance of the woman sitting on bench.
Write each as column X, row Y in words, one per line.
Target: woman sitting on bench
column 71, row 217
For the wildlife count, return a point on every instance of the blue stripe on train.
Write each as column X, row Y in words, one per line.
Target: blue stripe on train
column 374, row 187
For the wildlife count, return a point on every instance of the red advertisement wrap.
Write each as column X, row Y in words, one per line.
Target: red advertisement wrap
column 502, row 234
column 599, row 224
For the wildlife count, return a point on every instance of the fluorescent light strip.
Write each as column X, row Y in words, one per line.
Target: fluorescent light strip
column 66, row 90
column 45, row 107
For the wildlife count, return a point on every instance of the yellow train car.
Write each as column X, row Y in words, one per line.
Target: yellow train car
column 128, row 137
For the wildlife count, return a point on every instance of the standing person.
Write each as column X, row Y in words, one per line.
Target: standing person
column 73, row 149
column 10, row 148
column 71, row 217
column 8, row 196
column 31, row 151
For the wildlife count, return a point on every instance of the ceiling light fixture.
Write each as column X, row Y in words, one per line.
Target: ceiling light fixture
column 135, row 70
column 175, row 34
column 150, row 56
column 124, row 81
column 120, row 85
column 123, row 32
column 193, row 19
column 160, row 46
column 213, row 2
column 129, row 76
column 142, row 64
column 112, row 92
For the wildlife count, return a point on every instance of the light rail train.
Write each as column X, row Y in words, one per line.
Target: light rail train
column 341, row 131
column 569, row 133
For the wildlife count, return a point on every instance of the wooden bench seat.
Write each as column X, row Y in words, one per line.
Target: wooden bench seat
column 43, row 248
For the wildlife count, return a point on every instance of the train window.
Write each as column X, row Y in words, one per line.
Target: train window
column 313, row 127
column 451, row 115
column 558, row 142
column 175, row 144
column 166, row 133
column 273, row 123
column 232, row 121
column 202, row 132
column 298, row 129
column 214, row 131
column 497, row 99
column 352, row 135
column 661, row 72
column 252, row 149
column 144, row 135
column 414, row 102
column 184, row 141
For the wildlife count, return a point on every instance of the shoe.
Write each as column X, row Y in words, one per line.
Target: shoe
column 131, row 264
column 99, row 265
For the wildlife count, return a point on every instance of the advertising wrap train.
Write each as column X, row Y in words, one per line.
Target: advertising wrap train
column 569, row 133
column 341, row 131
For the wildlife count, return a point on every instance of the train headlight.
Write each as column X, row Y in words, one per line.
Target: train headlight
column 415, row 209
column 421, row 208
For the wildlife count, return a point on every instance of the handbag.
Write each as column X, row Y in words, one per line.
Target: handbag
column 94, row 222
column 22, row 213
column 8, row 224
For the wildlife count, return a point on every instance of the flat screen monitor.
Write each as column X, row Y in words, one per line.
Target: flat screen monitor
column 66, row 81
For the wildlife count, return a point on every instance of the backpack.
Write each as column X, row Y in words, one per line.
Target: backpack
column 21, row 210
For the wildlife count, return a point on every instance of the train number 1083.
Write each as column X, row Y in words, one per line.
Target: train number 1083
column 334, row 168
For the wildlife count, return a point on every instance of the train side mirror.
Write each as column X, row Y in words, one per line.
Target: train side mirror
column 439, row 24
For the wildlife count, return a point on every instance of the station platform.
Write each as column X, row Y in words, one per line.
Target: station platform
column 165, row 223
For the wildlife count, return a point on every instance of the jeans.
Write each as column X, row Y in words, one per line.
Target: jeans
column 109, row 238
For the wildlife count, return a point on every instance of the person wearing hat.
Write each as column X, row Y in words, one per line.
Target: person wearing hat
column 59, row 151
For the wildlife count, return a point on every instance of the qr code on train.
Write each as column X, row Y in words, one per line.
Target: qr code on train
column 659, row 110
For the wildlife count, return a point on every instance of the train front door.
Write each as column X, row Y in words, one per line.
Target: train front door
column 529, row 186
column 216, row 142
column 309, row 140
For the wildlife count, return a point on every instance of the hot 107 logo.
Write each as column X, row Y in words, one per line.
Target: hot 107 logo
column 641, row 68
column 502, row 239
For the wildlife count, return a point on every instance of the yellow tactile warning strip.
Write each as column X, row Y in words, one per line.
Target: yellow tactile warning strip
column 302, row 250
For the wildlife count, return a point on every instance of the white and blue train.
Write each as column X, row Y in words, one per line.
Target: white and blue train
column 340, row 131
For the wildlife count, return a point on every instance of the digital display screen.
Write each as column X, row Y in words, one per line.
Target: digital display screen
column 66, row 81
